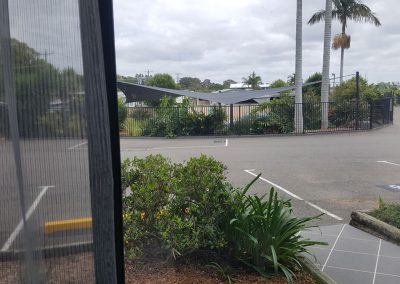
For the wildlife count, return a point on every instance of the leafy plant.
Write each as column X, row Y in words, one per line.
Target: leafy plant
column 178, row 208
column 223, row 271
column 265, row 235
column 388, row 212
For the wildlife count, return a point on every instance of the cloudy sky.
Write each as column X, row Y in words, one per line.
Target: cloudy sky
column 228, row 39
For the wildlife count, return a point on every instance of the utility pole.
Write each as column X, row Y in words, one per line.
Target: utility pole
column 148, row 72
column 46, row 54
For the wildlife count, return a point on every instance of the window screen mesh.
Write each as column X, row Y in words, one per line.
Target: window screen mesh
column 44, row 77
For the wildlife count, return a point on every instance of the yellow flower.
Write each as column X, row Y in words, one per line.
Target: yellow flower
column 187, row 211
column 142, row 215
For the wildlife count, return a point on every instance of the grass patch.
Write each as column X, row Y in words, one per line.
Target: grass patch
column 388, row 213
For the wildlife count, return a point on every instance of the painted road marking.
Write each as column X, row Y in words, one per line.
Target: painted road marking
column 28, row 214
column 66, row 225
column 296, row 196
column 389, row 163
column 277, row 186
column 76, row 146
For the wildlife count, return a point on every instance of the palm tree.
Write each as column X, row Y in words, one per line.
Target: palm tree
column 344, row 11
column 298, row 114
column 325, row 65
column 253, row 80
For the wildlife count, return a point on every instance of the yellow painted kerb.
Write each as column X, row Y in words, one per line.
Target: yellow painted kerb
column 66, row 225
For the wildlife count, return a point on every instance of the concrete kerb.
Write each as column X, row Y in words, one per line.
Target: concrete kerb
column 318, row 275
column 369, row 224
column 341, row 132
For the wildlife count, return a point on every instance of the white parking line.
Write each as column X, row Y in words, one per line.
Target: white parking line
column 20, row 225
column 275, row 185
column 296, row 196
column 390, row 163
column 377, row 260
column 76, row 146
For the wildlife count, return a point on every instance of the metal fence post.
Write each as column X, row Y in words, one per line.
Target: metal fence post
column 357, row 100
column 231, row 116
column 371, row 113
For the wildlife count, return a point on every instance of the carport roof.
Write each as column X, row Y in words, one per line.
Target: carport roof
column 137, row 93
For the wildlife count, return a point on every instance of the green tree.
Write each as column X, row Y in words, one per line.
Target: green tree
column 314, row 89
column 227, row 83
column 344, row 11
column 190, row 83
column 291, row 79
column 253, row 80
column 346, row 91
column 278, row 83
column 163, row 80
column 36, row 84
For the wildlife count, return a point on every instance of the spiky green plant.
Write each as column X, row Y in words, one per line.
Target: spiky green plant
column 265, row 235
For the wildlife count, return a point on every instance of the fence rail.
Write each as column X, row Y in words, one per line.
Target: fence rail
column 276, row 118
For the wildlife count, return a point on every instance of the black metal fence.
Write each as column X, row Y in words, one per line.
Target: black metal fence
column 279, row 118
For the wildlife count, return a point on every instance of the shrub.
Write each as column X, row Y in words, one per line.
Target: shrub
column 388, row 212
column 265, row 235
column 280, row 118
column 182, row 120
column 175, row 209
column 177, row 206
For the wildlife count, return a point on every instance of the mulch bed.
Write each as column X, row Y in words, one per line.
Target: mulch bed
column 167, row 272
column 79, row 269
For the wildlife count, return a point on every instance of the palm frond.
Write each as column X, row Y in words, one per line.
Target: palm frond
column 317, row 17
column 362, row 13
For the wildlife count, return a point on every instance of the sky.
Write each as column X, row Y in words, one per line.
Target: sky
column 228, row 39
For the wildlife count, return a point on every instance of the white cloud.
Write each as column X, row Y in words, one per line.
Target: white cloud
column 231, row 38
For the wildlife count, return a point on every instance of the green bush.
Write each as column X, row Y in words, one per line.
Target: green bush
column 388, row 212
column 170, row 120
column 265, row 235
column 175, row 209
column 279, row 116
column 177, row 206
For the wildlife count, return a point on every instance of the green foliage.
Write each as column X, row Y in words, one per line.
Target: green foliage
column 171, row 119
column 37, row 84
column 122, row 113
column 278, row 83
column 388, row 212
column 278, row 116
column 227, row 83
column 253, row 81
column 163, row 80
column 346, row 91
column 175, row 209
column 264, row 234
column 178, row 207
column 315, row 89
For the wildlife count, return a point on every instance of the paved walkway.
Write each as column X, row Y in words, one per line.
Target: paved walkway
column 355, row 257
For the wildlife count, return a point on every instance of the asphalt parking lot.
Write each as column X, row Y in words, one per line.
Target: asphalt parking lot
column 329, row 173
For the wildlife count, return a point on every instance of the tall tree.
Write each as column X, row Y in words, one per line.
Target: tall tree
column 253, row 80
column 298, row 115
column 344, row 11
column 326, row 63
